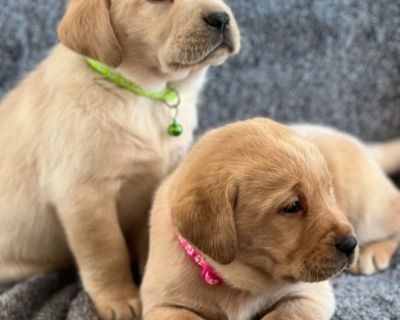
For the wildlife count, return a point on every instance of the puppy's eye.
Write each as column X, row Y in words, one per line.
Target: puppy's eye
column 294, row 207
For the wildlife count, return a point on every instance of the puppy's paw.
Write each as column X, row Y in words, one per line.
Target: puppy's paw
column 374, row 257
column 129, row 309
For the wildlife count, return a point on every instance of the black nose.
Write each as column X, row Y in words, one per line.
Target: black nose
column 218, row 20
column 347, row 245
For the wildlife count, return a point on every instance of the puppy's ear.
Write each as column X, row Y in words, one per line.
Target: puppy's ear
column 204, row 215
column 86, row 28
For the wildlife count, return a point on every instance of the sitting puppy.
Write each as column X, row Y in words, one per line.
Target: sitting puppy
column 246, row 228
column 83, row 146
column 365, row 194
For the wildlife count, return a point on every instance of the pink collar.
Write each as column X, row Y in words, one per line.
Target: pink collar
column 207, row 272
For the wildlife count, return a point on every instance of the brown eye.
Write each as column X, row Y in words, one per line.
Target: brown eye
column 294, row 207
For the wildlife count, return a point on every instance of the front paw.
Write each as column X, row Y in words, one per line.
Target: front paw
column 122, row 309
column 374, row 257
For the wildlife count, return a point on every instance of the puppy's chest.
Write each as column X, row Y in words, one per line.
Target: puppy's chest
column 152, row 119
column 251, row 307
column 153, row 152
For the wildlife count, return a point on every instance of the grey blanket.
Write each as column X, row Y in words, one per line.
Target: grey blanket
column 321, row 61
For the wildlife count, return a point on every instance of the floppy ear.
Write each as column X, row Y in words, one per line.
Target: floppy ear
column 86, row 29
column 204, row 215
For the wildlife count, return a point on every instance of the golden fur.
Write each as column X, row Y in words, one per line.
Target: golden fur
column 365, row 194
column 81, row 158
column 228, row 198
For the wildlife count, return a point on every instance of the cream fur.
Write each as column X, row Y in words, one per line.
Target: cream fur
column 81, row 158
column 388, row 155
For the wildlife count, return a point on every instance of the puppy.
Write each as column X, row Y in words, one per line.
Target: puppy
column 82, row 156
column 247, row 227
column 365, row 194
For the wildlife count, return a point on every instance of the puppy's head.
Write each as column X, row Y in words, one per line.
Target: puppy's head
column 166, row 35
column 257, row 192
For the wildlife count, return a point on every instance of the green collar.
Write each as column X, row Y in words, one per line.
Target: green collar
column 168, row 96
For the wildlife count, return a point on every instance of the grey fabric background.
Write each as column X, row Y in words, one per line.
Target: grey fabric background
column 321, row 61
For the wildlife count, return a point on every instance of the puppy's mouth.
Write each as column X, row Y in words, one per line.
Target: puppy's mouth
column 324, row 271
column 222, row 49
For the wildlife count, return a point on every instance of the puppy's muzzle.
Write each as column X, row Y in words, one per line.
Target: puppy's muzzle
column 219, row 22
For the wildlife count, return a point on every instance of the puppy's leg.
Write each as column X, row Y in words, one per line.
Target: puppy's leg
column 90, row 221
column 170, row 313
column 314, row 302
column 375, row 257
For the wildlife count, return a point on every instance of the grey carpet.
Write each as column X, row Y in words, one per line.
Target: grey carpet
column 321, row 61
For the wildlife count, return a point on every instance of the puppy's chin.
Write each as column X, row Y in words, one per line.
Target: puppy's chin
column 323, row 270
column 215, row 57
column 215, row 53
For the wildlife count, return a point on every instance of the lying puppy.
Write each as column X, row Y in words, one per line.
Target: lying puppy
column 243, row 227
column 84, row 146
column 365, row 194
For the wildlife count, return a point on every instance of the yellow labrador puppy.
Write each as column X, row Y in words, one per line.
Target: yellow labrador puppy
column 365, row 194
column 84, row 143
column 246, row 228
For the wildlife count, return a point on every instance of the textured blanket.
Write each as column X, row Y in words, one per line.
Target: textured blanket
column 321, row 61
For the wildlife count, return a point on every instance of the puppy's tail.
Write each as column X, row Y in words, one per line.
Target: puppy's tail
column 388, row 155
